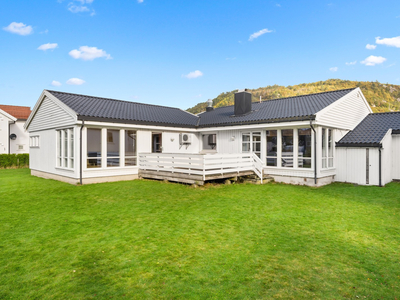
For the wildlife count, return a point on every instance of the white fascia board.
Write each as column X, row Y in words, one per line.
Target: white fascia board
column 388, row 133
column 47, row 94
column 145, row 127
column 259, row 126
column 321, row 124
column 8, row 116
column 194, row 130
column 339, row 101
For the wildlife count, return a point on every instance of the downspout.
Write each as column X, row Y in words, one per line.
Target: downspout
column 380, row 165
column 80, row 153
column 315, row 152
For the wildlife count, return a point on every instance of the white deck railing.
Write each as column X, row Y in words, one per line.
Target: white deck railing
column 199, row 164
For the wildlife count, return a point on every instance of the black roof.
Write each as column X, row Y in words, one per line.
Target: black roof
column 284, row 109
column 91, row 108
column 371, row 130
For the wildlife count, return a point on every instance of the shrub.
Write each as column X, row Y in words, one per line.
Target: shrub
column 14, row 160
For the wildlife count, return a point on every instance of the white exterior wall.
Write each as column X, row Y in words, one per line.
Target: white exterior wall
column 21, row 140
column 345, row 113
column 229, row 141
column 352, row 165
column 387, row 158
column 44, row 157
column 4, row 134
column 170, row 143
column 396, row 156
column 50, row 115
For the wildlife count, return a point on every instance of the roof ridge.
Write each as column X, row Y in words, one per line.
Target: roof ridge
column 299, row 96
column 117, row 100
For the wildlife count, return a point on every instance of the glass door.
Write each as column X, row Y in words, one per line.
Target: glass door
column 251, row 142
column 156, row 139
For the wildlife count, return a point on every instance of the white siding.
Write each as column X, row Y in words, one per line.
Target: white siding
column 144, row 141
column 229, row 141
column 44, row 157
column 50, row 115
column 387, row 158
column 351, row 165
column 4, row 134
column 396, row 156
column 345, row 113
column 21, row 140
column 170, row 143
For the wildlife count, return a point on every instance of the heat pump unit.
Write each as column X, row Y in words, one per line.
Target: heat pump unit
column 185, row 138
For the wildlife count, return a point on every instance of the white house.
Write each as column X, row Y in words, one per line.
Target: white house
column 78, row 138
column 14, row 139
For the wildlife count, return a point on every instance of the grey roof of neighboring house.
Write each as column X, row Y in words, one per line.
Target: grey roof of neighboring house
column 91, row 108
column 279, row 110
column 371, row 130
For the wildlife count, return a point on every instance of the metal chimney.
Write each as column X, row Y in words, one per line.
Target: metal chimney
column 209, row 105
column 242, row 102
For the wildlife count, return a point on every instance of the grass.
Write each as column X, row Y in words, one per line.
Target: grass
column 154, row 240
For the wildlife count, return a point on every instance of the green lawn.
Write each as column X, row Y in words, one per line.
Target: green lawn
column 154, row 240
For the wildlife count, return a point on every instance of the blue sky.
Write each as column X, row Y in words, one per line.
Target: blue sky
column 180, row 52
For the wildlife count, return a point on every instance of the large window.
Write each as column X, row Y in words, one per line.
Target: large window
column 113, row 152
column 65, row 148
column 330, row 148
column 209, row 141
column 130, row 148
column 323, row 148
column 93, row 148
column 287, row 148
column 327, row 148
column 251, row 142
column 272, row 148
column 119, row 148
column 304, row 147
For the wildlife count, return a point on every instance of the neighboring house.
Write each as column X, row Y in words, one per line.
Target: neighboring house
column 14, row 139
column 78, row 138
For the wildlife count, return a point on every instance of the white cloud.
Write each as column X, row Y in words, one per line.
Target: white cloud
column 333, row 69
column 352, row 63
column 370, row 47
column 277, row 5
column 44, row 32
column 19, row 28
column 373, row 60
column 393, row 42
column 48, row 46
column 56, row 83
column 194, row 74
column 140, row 1
column 77, row 8
column 75, row 81
column 89, row 53
column 259, row 33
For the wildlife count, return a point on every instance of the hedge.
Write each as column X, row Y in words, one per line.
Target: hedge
column 14, row 160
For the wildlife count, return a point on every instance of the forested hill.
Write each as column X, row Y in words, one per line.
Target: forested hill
column 382, row 97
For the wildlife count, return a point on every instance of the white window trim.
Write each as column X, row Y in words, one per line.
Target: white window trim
column 66, row 154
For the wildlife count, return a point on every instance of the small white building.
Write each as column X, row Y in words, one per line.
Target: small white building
column 85, row 139
column 370, row 154
column 14, row 139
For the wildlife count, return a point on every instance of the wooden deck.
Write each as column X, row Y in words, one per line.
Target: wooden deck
column 196, row 168
column 190, row 179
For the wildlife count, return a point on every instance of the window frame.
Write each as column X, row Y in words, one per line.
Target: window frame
column 65, row 148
